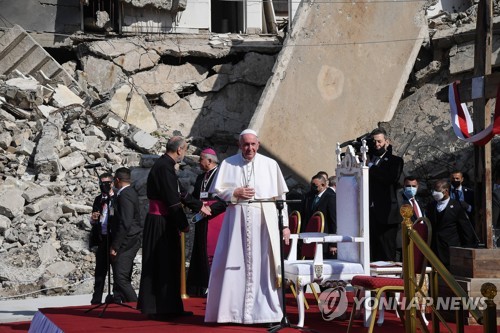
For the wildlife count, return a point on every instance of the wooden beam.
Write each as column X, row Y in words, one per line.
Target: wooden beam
column 481, row 119
column 491, row 83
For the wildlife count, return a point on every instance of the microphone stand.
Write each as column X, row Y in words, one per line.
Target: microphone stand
column 280, row 204
column 109, row 298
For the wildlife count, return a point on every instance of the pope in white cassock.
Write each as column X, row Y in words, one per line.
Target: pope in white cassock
column 245, row 274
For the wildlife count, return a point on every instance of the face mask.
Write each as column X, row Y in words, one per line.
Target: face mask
column 379, row 152
column 455, row 184
column 438, row 196
column 105, row 187
column 410, row 191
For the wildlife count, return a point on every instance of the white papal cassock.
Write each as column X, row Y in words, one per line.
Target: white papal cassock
column 246, row 267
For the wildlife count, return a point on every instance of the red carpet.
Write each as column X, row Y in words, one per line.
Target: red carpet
column 118, row 318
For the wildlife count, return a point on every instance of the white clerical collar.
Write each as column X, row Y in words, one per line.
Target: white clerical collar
column 441, row 205
column 248, row 161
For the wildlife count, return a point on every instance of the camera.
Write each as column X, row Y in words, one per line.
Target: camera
column 358, row 143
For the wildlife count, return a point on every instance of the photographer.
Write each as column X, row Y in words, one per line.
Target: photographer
column 101, row 213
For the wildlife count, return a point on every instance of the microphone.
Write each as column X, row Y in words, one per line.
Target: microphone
column 93, row 165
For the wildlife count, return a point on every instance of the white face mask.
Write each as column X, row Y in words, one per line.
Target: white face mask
column 438, row 196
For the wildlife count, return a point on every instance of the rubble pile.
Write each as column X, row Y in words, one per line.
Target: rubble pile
column 47, row 137
column 132, row 94
column 122, row 102
column 46, row 193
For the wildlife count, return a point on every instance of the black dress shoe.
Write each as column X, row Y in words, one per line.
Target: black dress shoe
column 95, row 302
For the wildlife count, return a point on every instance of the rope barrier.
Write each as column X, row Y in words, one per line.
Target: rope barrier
column 3, row 298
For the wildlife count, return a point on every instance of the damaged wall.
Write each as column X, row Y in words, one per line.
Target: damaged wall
column 61, row 16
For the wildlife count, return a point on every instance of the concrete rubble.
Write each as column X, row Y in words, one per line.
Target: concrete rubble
column 119, row 108
column 118, row 103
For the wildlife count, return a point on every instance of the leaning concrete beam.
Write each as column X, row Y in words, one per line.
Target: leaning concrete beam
column 19, row 51
column 342, row 70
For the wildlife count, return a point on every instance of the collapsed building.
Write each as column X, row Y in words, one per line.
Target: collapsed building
column 101, row 82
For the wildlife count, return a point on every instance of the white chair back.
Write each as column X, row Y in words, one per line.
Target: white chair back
column 353, row 206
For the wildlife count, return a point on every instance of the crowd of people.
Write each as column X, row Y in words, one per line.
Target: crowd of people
column 235, row 261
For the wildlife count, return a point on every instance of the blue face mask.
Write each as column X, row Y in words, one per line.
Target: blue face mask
column 410, row 191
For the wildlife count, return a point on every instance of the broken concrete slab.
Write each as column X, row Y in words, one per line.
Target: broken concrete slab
column 133, row 107
column 11, row 202
column 170, row 98
column 363, row 55
column 445, row 38
column 213, row 83
column 138, row 138
column 61, row 268
column 137, row 60
column 47, row 253
column 111, row 48
column 254, row 69
column 76, row 208
column 24, row 93
column 142, row 140
column 234, row 105
column 72, row 161
column 43, row 204
column 462, row 56
column 5, row 140
column 102, row 74
column 35, row 192
column 26, row 147
column 21, row 52
column 92, row 144
column 63, row 96
column 47, row 150
column 164, row 78
column 4, row 224
column 46, row 110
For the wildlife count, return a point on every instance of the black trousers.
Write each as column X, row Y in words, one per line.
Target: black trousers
column 122, row 270
column 101, row 269
column 383, row 241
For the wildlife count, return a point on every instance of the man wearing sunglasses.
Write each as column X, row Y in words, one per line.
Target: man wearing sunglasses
column 101, row 214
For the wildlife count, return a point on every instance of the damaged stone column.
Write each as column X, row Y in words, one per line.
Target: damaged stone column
column 49, row 145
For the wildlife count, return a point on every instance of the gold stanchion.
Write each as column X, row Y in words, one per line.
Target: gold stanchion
column 489, row 290
column 183, row 266
column 406, row 212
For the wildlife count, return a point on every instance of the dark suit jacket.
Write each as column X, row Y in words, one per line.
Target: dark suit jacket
column 327, row 205
column 96, row 231
column 452, row 229
column 330, row 190
column 127, row 222
column 402, row 199
column 469, row 198
column 383, row 184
